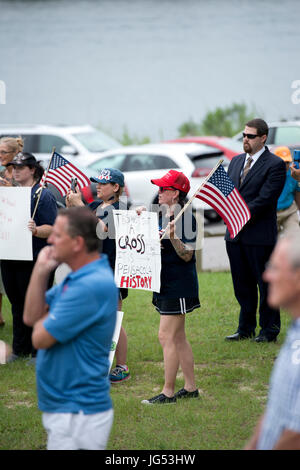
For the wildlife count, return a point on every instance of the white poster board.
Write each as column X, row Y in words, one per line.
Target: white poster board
column 15, row 237
column 115, row 337
column 138, row 257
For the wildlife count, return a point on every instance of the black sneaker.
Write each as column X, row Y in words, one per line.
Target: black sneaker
column 183, row 393
column 159, row 399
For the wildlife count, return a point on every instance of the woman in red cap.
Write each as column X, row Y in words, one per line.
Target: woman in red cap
column 179, row 286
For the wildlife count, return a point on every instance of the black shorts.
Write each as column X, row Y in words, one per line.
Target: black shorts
column 179, row 306
column 123, row 293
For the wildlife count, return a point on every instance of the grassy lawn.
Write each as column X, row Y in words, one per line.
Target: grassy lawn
column 232, row 378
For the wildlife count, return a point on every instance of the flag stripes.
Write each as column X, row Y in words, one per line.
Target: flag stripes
column 220, row 193
column 61, row 172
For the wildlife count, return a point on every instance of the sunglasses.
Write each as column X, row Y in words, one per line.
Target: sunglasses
column 166, row 188
column 250, row 136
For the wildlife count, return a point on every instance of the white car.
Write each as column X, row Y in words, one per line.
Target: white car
column 280, row 133
column 80, row 144
column 142, row 163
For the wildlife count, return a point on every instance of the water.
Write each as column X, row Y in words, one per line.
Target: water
column 146, row 65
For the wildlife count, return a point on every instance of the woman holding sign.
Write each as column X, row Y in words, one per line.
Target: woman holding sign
column 26, row 171
column 179, row 287
column 9, row 147
column 110, row 185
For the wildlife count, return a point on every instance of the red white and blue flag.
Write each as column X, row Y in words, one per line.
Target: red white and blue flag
column 61, row 172
column 220, row 193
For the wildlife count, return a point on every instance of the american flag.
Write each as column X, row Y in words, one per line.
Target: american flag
column 61, row 172
column 221, row 194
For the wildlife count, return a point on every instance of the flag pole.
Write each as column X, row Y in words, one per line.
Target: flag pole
column 194, row 195
column 43, row 185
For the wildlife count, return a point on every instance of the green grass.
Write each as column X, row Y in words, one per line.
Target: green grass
column 232, row 378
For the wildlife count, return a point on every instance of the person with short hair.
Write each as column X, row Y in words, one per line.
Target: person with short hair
column 279, row 426
column 179, row 287
column 16, row 273
column 259, row 175
column 73, row 325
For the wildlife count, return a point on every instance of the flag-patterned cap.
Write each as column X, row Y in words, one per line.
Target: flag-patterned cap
column 109, row 175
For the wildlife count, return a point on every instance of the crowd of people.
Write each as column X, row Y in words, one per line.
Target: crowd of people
column 73, row 337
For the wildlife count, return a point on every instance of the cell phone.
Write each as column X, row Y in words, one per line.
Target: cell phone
column 73, row 184
column 297, row 158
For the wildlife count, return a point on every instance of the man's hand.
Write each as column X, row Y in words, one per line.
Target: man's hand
column 295, row 173
column 46, row 261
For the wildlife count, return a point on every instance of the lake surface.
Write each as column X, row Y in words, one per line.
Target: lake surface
column 146, row 65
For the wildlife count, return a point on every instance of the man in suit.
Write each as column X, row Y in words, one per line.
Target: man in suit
column 259, row 176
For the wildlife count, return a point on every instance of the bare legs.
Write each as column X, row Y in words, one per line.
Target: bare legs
column 177, row 352
column 121, row 350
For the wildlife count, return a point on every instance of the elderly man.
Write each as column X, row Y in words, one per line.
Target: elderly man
column 279, row 428
column 73, row 325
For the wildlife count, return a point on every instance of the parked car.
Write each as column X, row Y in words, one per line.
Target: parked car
column 280, row 133
column 229, row 147
column 77, row 143
column 142, row 163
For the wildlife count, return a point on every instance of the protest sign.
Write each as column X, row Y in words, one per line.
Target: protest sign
column 138, row 258
column 15, row 237
column 115, row 337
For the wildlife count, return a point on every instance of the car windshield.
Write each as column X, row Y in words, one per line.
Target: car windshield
column 96, row 141
column 210, row 162
column 231, row 144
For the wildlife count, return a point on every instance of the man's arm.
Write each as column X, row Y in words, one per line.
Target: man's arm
column 289, row 440
column 270, row 190
column 297, row 199
column 41, row 339
column 35, row 308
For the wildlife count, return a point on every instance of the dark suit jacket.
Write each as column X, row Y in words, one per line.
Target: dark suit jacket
column 260, row 189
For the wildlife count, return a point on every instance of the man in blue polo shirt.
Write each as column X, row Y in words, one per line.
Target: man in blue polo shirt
column 73, row 325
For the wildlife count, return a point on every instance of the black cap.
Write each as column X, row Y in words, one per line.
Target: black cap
column 23, row 159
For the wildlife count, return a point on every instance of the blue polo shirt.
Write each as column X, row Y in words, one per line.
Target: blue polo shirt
column 283, row 407
column 72, row 375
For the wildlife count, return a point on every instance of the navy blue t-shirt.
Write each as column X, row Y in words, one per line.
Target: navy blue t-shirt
column 106, row 215
column 178, row 277
column 45, row 214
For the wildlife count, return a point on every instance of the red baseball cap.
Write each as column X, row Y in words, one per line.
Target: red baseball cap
column 174, row 178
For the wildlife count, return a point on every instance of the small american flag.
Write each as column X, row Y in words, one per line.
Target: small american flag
column 61, row 172
column 221, row 194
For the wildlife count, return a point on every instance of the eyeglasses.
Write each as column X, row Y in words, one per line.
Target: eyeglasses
column 166, row 188
column 250, row 136
column 2, row 152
